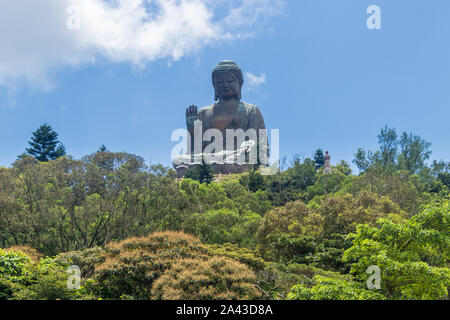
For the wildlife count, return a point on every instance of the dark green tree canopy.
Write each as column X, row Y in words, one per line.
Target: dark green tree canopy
column 319, row 159
column 387, row 139
column 45, row 145
column 202, row 173
column 414, row 152
column 409, row 153
column 102, row 148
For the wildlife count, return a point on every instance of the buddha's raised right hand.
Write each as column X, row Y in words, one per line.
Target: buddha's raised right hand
column 191, row 115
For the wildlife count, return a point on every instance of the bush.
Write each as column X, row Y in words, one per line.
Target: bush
column 329, row 253
column 341, row 214
column 131, row 266
column 291, row 247
column 289, row 231
column 286, row 219
column 84, row 259
column 22, row 279
column 14, row 272
column 413, row 256
column 243, row 255
column 217, row 278
column 48, row 282
column 278, row 278
column 30, row 252
column 222, row 226
column 332, row 289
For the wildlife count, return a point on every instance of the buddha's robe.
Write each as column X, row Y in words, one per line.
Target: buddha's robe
column 247, row 116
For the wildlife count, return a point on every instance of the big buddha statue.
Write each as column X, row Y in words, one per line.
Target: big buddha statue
column 225, row 116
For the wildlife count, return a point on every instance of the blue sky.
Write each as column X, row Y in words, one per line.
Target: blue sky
column 330, row 82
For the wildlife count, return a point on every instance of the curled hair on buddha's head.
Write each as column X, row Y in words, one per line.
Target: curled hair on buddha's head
column 228, row 66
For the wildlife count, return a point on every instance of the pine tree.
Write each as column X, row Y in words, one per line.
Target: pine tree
column 203, row 173
column 45, row 145
column 319, row 159
column 102, row 148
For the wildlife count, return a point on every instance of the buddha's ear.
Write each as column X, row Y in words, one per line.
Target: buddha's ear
column 216, row 96
column 239, row 95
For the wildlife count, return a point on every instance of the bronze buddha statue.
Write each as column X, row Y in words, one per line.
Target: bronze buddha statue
column 228, row 113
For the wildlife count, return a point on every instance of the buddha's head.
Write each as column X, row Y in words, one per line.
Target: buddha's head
column 227, row 80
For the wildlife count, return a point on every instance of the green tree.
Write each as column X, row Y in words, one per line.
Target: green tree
column 202, row 173
column 344, row 167
column 243, row 255
column 102, row 148
column 413, row 255
column 279, row 278
column 287, row 185
column 48, row 281
column 365, row 159
column 14, row 272
column 387, row 140
column 288, row 232
column 332, row 289
column 45, row 145
column 444, row 177
column 414, row 152
column 252, row 180
column 224, row 225
column 319, row 159
column 327, row 184
column 438, row 167
column 341, row 214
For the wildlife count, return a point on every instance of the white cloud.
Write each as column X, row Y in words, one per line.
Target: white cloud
column 251, row 11
column 254, row 80
column 35, row 41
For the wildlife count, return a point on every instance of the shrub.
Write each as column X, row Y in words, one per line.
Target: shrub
column 413, row 256
column 30, row 252
column 216, row 278
column 224, row 225
column 48, row 281
column 286, row 219
column 22, row 279
column 341, row 214
column 14, row 272
column 243, row 255
column 332, row 289
column 131, row 266
column 294, row 219
column 84, row 259
column 279, row 278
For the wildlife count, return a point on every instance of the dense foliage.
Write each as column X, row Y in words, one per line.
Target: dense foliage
column 217, row 278
column 138, row 232
column 413, row 255
column 131, row 266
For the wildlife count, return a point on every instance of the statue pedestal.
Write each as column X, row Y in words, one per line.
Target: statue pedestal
column 231, row 162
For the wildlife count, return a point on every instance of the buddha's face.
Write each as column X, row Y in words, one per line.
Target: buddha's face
column 226, row 85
